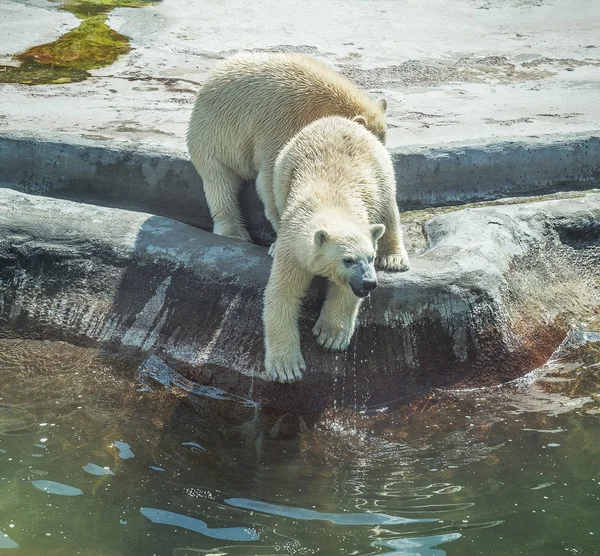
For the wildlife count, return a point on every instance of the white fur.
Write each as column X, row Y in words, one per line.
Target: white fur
column 334, row 192
column 248, row 109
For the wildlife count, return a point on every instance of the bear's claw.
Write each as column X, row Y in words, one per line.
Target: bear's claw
column 285, row 370
column 396, row 262
column 330, row 338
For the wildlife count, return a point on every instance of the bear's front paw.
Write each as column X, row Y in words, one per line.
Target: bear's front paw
column 285, row 368
column 398, row 262
column 332, row 338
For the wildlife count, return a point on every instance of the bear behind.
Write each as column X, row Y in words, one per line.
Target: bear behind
column 247, row 110
column 335, row 197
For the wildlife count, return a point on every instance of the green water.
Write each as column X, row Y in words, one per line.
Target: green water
column 95, row 459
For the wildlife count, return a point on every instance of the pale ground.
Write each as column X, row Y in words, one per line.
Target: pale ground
column 475, row 71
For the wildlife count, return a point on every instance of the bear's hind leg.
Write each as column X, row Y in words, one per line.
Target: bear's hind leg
column 264, row 188
column 222, row 189
column 337, row 321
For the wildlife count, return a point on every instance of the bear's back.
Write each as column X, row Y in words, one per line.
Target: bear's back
column 267, row 98
column 273, row 81
column 332, row 157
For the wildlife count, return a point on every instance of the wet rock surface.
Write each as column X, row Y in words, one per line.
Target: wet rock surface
column 491, row 297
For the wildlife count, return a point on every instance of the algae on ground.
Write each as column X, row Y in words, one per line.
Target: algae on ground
column 91, row 45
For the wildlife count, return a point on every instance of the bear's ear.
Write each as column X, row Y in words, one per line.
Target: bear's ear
column 320, row 237
column 360, row 120
column 382, row 103
column 377, row 230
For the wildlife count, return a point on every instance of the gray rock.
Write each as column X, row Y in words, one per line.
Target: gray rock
column 490, row 299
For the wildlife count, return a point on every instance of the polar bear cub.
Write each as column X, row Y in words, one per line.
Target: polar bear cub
column 247, row 110
column 337, row 217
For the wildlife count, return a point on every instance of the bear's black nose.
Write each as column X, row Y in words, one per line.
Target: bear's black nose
column 369, row 285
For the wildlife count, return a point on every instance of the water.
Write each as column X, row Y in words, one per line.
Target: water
column 98, row 460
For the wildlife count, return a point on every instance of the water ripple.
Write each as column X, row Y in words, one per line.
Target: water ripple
column 424, row 545
column 309, row 515
column 224, row 533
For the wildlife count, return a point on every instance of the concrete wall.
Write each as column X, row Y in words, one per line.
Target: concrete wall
column 167, row 185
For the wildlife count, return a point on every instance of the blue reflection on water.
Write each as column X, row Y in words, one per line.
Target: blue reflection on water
column 339, row 519
column 94, row 469
column 197, row 525
column 6, row 541
column 194, row 445
column 424, row 545
column 125, row 451
column 52, row 487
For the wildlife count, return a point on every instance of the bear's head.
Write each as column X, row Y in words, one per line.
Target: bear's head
column 374, row 120
column 347, row 256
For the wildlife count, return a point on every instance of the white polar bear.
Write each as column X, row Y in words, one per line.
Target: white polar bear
column 336, row 215
column 247, row 110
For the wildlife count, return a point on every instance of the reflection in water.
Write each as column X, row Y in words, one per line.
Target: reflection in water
column 225, row 533
column 125, row 451
column 94, row 469
column 423, row 546
column 162, row 466
column 6, row 541
column 194, row 445
column 52, row 487
column 154, row 369
column 304, row 514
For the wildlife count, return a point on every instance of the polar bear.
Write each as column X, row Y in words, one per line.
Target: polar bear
column 248, row 109
column 337, row 217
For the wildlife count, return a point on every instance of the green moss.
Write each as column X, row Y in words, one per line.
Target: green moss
column 33, row 73
column 91, row 45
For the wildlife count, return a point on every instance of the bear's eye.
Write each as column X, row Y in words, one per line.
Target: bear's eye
column 370, row 260
column 349, row 262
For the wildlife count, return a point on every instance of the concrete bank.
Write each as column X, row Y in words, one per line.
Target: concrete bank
column 489, row 300
column 166, row 183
